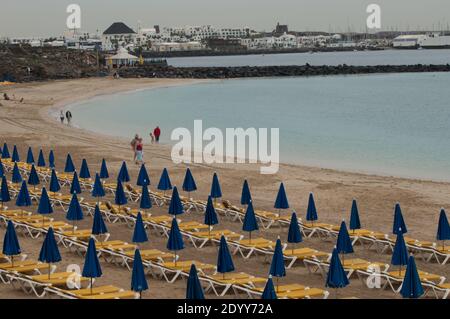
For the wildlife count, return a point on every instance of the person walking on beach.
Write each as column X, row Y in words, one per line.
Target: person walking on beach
column 133, row 144
column 68, row 116
column 157, row 133
column 139, row 152
column 152, row 137
column 61, row 116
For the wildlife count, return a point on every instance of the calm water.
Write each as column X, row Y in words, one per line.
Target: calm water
column 391, row 57
column 396, row 124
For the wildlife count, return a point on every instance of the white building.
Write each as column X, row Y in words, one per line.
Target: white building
column 118, row 35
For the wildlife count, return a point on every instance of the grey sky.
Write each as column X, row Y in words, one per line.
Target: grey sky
column 47, row 17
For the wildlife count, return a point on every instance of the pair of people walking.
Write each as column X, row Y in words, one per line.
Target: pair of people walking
column 137, row 146
column 68, row 116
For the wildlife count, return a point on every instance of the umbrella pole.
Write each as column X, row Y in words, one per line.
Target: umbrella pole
column 140, row 294
column 43, row 221
column 400, row 271
column 278, row 284
column 91, row 285
column 209, row 231
column 335, row 293
column 175, row 258
column 12, row 261
column 73, row 227
column 443, row 245
column 250, row 236
column 49, row 270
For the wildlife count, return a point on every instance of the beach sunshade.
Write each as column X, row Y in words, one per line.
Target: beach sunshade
column 104, row 170
column 246, row 196
column 30, row 156
column 175, row 241
column 146, row 202
column 336, row 277
column 164, row 181
column 5, row 151
column 400, row 253
column 189, row 182
column 138, row 279
column 84, row 171
column 23, row 198
column 194, row 290
column 51, row 159
column 344, row 243
column 277, row 268
column 15, row 155
column 54, row 183
column 269, row 290
column 16, row 178
column 175, row 206
column 91, row 268
column 139, row 234
column 69, row 167
column 250, row 223
column 41, row 159
column 143, row 178
column 75, row 187
column 4, row 192
column 49, row 251
column 75, row 212
column 11, row 245
column 33, row 178
column 294, row 234
column 120, row 198
column 97, row 189
column 123, row 175
column 216, row 191
column 311, row 212
column 281, row 202
column 45, row 206
column 2, row 169
column 210, row 213
column 411, row 286
column 399, row 223
column 354, row 217
column 98, row 224
column 224, row 260
column 443, row 232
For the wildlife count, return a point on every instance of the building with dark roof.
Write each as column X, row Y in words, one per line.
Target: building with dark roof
column 117, row 35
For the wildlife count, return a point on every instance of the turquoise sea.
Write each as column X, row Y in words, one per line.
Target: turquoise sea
column 395, row 124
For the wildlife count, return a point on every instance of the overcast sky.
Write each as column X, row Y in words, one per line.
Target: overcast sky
column 48, row 17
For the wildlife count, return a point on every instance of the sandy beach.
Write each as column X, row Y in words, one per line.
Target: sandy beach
column 30, row 124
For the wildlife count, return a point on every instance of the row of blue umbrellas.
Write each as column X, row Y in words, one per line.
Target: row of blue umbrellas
column 30, row 157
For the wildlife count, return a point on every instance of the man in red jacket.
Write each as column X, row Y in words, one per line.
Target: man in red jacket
column 157, row 133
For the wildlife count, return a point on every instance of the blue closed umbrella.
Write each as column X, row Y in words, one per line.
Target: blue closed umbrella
column 23, row 198
column 91, row 268
column 224, row 260
column 49, row 251
column 30, row 156
column 311, row 212
column 443, row 232
column 33, row 178
column 98, row 190
column 138, row 280
column 143, row 178
column 120, row 198
column 75, row 187
column 104, row 170
column 75, row 212
column 281, row 202
column 16, row 178
column 344, row 243
column 146, row 202
column 123, row 175
column 164, row 181
column 216, row 191
column 139, row 234
column 11, row 245
column 98, row 224
column 51, row 159
column 269, row 290
column 15, row 155
column 175, row 241
column 175, row 206
column 411, row 286
column 250, row 223
column 41, row 159
column 399, row 223
column 194, row 290
column 5, row 151
column 54, row 183
column 189, row 182
column 69, row 167
column 354, row 217
column 277, row 268
column 210, row 215
column 84, row 171
column 400, row 253
column 45, row 206
column 294, row 234
column 4, row 192
column 246, row 196
column 336, row 277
